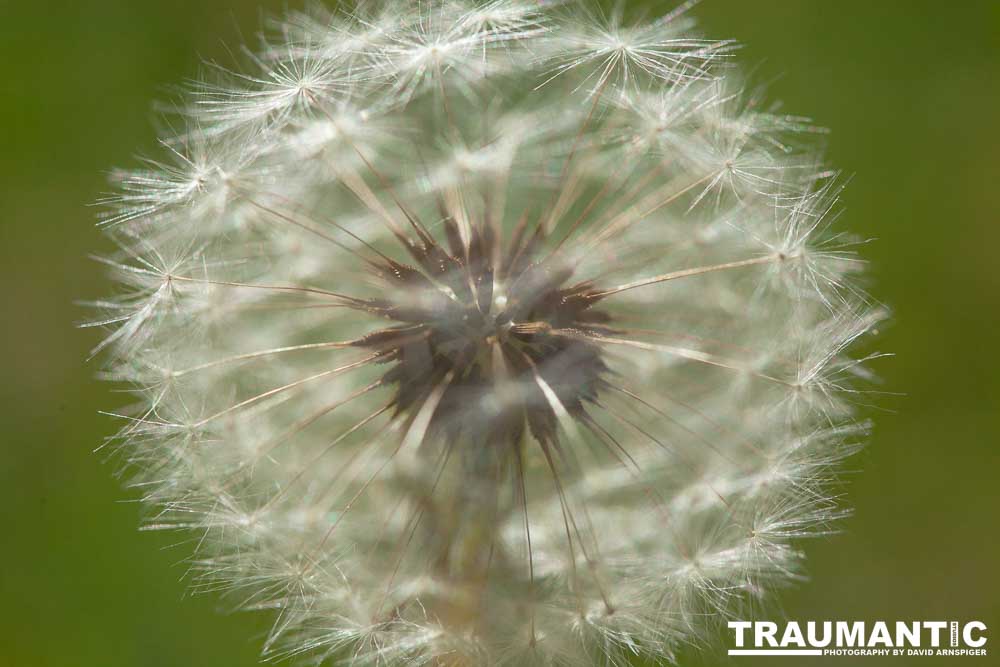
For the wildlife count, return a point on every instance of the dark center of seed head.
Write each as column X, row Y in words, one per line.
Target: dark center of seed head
column 508, row 344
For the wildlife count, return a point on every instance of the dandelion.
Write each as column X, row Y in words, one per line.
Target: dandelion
column 485, row 333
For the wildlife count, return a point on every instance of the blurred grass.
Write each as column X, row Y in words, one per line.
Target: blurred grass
column 909, row 88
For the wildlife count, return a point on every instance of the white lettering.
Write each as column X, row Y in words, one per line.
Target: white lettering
column 880, row 635
column 967, row 634
column 739, row 627
column 765, row 630
column 935, row 627
column 907, row 634
column 827, row 634
column 850, row 634
column 792, row 636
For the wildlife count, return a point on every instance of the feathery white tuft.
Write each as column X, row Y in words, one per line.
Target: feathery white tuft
column 486, row 332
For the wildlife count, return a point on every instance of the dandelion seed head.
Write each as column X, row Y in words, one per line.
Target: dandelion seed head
column 485, row 332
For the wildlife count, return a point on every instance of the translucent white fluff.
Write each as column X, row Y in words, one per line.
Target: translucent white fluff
column 485, row 332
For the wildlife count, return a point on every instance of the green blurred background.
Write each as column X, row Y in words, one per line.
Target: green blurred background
column 911, row 90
